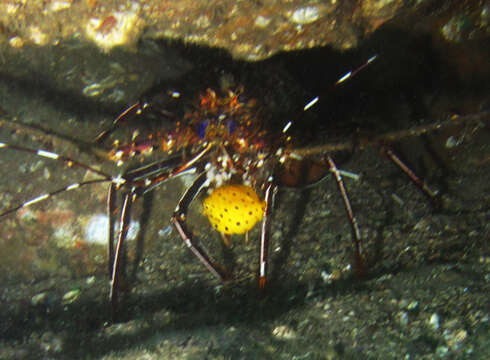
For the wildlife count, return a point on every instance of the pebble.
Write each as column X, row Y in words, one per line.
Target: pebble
column 434, row 321
column 71, row 296
column 284, row 332
column 305, row 15
column 455, row 339
column 39, row 299
column 402, row 318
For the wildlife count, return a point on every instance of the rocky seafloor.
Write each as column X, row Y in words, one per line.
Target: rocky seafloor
column 423, row 293
column 251, row 30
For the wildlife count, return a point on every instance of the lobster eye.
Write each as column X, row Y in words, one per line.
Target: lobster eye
column 202, row 128
column 231, row 126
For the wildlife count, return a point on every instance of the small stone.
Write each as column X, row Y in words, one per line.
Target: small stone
column 71, row 296
column 327, row 277
column 203, row 22
column 455, row 339
column 305, row 15
column 118, row 28
column 39, row 299
column 16, row 42
column 413, row 306
column 402, row 318
column 58, row 5
column 284, row 332
column 37, row 36
column 262, row 21
column 452, row 142
column 434, row 321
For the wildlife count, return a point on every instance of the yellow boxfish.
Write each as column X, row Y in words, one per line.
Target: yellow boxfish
column 233, row 209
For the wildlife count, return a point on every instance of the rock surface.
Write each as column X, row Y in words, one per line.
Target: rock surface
column 425, row 290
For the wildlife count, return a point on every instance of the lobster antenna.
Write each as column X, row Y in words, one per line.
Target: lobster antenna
column 68, row 162
column 54, row 156
column 343, row 78
column 48, row 195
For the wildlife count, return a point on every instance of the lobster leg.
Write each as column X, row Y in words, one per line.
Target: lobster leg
column 143, row 180
column 178, row 220
column 119, row 263
column 270, row 191
column 356, row 233
column 407, row 171
column 161, row 171
column 111, row 209
column 131, row 111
